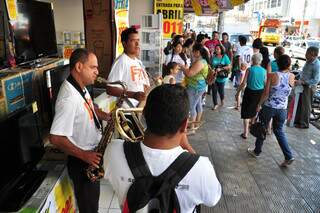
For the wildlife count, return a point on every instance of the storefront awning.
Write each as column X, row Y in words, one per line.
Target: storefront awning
column 210, row 7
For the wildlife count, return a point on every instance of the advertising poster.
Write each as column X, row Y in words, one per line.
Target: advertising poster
column 172, row 11
column 121, row 10
column 12, row 9
column 61, row 199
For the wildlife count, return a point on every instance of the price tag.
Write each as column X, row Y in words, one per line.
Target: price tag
column 34, row 107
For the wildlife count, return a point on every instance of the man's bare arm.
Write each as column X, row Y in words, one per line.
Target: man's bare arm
column 63, row 143
column 117, row 92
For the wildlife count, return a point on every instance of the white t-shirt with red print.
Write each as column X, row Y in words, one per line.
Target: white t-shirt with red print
column 132, row 72
column 74, row 119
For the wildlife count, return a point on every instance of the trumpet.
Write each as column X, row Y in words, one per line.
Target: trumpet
column 125, row 121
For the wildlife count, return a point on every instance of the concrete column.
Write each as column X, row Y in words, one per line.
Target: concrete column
column 221, row 22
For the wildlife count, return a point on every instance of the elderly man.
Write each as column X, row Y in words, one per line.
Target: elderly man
column 310, row 77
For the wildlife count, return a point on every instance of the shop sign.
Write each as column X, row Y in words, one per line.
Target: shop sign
column 61, row 198
column 12, row 9
column 121, row 10
column 172, row 12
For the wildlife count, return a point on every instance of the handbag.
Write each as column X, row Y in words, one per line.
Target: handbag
column 211, row 77
column 223, row 73
column 258, row 129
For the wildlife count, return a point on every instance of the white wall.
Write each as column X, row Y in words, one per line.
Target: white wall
column 68, row 15
column 137, row 8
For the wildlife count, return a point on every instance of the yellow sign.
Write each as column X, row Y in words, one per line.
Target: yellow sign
column 172, row 12
column 122, row 21
column 61, row 198
column 12, row 9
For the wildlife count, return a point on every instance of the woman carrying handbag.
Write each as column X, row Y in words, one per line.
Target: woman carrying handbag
column 274, row 101
column 221, row 64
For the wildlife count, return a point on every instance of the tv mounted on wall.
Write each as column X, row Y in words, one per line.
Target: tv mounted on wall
column 34, row 31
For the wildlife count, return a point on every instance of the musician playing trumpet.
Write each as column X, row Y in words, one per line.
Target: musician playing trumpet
column 76, row 129
column 129, row 69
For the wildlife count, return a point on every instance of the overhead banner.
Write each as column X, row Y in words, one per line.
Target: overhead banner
column 196, row 7
column 172, row 11
column 121, row 10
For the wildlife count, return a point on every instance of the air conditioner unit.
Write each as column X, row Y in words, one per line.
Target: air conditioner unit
column 152, row 21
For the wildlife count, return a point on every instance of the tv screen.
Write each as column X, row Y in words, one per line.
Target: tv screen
column 21, row 145
column 34, row 31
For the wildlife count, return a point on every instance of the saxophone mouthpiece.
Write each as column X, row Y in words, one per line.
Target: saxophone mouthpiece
column 102, row 80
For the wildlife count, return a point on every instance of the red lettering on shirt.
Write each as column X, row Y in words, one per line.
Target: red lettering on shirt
column 88, row 108
column 137, row 73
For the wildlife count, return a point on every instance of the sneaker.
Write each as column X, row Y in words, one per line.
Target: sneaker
column 252, row 153
column 285, row 163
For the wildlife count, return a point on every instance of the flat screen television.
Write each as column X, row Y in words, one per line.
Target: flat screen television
column 34, row 31
column 21, row 149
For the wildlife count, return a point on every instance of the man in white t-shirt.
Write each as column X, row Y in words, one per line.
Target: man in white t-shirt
column 129, row 69
column 166, row 114
column 244, row 52
column 76, row 129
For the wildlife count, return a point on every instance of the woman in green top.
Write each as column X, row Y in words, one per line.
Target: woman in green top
column 221, row 63
column 196, row 83
column 254, row 82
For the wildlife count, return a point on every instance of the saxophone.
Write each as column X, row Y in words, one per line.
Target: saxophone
column 94, row 174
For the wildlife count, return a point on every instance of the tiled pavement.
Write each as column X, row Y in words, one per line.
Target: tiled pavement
column 250, row 184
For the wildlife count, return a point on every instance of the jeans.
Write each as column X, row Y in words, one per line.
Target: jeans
column 279, row 117
column 195, row 100
column 217, row 87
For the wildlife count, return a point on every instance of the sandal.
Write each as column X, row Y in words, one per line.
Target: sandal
column 242, row 136
column 215, row 107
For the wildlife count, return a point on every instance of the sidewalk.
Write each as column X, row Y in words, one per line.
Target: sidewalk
column 249, row 184
column 259, row 184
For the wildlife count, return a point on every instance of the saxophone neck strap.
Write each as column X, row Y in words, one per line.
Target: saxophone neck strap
column 76, row 85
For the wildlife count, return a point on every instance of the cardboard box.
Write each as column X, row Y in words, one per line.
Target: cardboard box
column 16, row 88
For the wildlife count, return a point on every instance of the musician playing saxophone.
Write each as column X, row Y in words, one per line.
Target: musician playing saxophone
column 76, row 129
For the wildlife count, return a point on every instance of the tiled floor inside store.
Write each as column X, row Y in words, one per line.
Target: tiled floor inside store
column 108, row 200
column 249, row 184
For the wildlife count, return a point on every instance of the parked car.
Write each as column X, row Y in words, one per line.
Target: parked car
column 298, row 49
column 234, row 38
column 289, row 40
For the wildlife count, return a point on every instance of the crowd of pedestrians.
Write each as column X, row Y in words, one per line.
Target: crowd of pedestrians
column 263, row 84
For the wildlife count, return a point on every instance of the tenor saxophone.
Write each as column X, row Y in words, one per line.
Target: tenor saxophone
column 93, row 173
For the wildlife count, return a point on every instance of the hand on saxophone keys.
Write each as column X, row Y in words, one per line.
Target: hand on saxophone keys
column 92, row 158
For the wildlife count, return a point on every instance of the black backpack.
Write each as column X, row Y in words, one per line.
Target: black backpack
column 154, row 194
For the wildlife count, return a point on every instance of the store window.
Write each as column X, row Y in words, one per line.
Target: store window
column 273, row 3
column 265, row 4
column 279, row 3
column 242, row 7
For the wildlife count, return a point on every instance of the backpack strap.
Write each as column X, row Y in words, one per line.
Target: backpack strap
column 135, row 159
column 179, row 168
column 174, row 173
